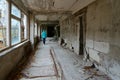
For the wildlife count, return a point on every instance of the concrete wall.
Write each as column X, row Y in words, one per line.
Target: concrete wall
column 10, row 58
column 102, row 35
column 69, row 31
column 103, row 30
column 81, row 4
column 39, row 31
column 32, row 29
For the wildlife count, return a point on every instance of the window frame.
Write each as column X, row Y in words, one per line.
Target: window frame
column 10, row 16
column 27, row 17
column 8, row 35
column 19, row 30
column 14, row 5
column 17, row 18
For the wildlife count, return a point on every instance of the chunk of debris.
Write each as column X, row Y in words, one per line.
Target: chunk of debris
column 89, row 67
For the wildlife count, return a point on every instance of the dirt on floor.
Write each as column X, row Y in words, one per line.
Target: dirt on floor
column 16, row 74
column 41, row 66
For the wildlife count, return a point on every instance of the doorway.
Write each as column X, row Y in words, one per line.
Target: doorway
column 50, row 31
column 82, row 34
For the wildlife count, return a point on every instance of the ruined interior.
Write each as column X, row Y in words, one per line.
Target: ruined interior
column 82, row 40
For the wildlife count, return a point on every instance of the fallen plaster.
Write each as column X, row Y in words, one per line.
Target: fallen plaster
column 52, row 62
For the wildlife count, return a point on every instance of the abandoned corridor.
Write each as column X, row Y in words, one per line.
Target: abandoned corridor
column 83, row 39
column 53, row 62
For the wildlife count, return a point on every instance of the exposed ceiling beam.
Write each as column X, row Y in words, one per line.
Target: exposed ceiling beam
column 48, row 22
column 45, row 12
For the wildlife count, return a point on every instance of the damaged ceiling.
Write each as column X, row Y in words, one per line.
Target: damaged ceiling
column 52, row 10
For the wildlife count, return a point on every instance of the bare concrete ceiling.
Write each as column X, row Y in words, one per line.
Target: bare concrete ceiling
column 46, row 6
column 54, row 9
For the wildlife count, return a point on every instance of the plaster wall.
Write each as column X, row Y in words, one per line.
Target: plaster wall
column 10, row 58
column 32, row 29
column 102, row 35
column 69, row 31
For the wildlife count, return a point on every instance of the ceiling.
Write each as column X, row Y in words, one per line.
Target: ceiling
column 49, row 6
column 53, row 10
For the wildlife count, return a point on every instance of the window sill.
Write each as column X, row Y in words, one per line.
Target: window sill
column 9, row 49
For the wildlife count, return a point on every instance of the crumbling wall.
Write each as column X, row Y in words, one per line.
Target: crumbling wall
column 102, row 35
column 69, row 32
column 103, row 38
column 10, row 58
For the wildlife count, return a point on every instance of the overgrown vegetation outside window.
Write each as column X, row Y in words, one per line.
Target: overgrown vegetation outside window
column 15, row 25
column 15, row 31
column 4, row 41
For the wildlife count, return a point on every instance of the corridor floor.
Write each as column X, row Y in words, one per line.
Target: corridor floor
column 52, row 62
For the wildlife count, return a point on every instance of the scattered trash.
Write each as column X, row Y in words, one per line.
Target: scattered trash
column 89, row 67
column 94, row 74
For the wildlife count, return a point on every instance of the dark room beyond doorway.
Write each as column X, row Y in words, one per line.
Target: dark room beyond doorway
column 50, row 31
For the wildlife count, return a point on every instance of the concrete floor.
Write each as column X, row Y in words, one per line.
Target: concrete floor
column 52, row 62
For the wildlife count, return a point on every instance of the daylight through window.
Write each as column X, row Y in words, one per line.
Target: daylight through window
column 4, row 24
column 15, row 25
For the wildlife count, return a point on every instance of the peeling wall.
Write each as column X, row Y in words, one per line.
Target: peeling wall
column 69, row 32
column 102, row 36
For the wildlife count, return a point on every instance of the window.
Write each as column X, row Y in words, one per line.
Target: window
column 18, row 28
column 15, row 25
column 15, row 31
column 4, row 24
column 15, row 11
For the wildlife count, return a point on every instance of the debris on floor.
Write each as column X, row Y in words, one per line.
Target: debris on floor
column 94, row 74
column 62, row 65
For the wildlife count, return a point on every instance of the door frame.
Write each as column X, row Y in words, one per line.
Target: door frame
column 82, row 42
